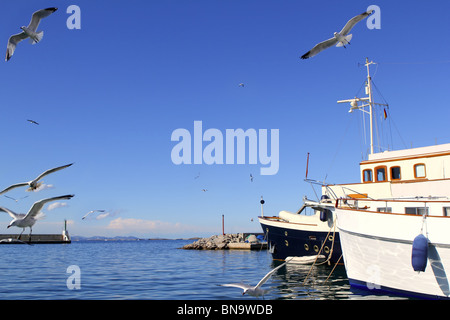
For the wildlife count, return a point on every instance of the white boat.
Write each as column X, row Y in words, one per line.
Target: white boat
column 394, row 225
column 377, row 234
column 306, row 234
column 378, row 246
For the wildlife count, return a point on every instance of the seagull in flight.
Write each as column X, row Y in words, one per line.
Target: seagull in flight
column 339, row 39
column 92, row 211
column 28, row 220
column 255, row 291
column 28, row 32
column 32, row 121
column 16, row 200
column 34, row 184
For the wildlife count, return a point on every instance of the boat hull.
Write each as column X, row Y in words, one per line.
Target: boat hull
column 377, row 251
column 286, row 239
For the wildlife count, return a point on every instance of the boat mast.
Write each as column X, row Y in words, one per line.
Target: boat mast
column 369, row 88
column 366, row 102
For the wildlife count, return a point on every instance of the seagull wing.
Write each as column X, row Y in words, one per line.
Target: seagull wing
column 320, row 47
column 38, row 15
column 87, row 214
column 12, row 43
column 51, row 171
column 11, row 213
column 22, row 184
column 37, row 206
column 238, row 285
column 92, row 211
column 268, row 275
column 351, row 23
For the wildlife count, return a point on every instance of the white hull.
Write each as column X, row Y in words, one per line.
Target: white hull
column 377, row 250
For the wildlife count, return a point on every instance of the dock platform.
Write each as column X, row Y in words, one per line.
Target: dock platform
column 35, row 238
column 247, row 246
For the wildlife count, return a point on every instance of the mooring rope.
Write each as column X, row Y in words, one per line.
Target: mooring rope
column 312, row 266
column 335, row 265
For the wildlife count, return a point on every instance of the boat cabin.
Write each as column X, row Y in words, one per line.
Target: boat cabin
column 413, row 173
column 427, row 163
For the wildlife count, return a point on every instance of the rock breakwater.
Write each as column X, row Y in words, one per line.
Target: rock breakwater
column 218, row 242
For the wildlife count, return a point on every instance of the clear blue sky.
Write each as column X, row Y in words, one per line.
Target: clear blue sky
column 109, row 96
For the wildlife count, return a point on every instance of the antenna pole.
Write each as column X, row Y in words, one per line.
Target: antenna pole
column 369, row 88
column 262, row 206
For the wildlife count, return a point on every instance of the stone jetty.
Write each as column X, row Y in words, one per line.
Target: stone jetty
column 225, row 242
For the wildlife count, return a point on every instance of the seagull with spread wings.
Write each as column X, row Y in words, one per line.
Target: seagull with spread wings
column 28, row 220
column 340, row 39
column 92, row 211
column 28, row 32
column 16, row 200
column 255, row 291
column 34, row 184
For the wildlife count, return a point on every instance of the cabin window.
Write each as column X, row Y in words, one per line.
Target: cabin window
column 384, row 209
column 419, row 170
column 395, row 173
column 367, row 175
column 380, row 174
column 446, row 211
column 420, row 211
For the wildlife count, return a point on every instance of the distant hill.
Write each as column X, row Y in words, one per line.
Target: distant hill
column 119, row 238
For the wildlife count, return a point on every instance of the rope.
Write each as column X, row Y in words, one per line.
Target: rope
column 332, row 245
column 335, row 265
column 318, row 253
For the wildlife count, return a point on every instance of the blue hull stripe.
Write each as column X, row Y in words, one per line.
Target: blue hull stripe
column 382, row 290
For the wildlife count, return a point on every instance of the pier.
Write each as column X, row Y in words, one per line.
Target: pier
column 239, row 241
column 35, row 238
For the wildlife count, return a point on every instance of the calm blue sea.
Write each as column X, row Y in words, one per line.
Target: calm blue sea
column 154, row 269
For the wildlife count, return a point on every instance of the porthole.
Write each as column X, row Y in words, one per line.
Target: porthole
column 330, row 238
column 316, row 248
column 286, row 243
column 326, row 249
column 285, row 233
column 306, row 247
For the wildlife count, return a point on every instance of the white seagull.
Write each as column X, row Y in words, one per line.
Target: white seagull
column 28, row 220
column 29, row 31
column 92, row 211
column 16, row 200
column 34, row 184
column 339, row 39
column 255, row 291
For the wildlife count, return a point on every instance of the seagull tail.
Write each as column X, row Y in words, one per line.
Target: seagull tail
column 346, row 41
column 38, row 37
